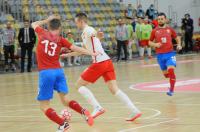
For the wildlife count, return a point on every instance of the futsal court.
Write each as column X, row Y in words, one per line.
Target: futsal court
column 141, row 80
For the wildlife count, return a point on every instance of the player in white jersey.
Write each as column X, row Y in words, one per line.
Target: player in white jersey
column 102, row 66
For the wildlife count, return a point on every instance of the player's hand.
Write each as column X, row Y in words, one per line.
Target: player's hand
column 63, row 56
column 179, row 47
column 157, row 45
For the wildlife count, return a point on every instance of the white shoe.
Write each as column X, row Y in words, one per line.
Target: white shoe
column 97, row 112
column 63, row 128
column 70, row 64
column 77, row 64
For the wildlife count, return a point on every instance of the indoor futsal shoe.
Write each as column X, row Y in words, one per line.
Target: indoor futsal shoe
column 98, row 112
column 134, row 117
column 63, row 128
column 170, row 93
column 89, row 119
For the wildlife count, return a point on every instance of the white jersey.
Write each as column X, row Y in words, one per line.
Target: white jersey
column 92, row 43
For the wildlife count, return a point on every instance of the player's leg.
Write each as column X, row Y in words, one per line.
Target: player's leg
column 62, row 88
column 135, row 113
column 119, row 45
column 46, row 82
column 90, row 76
column 171, row 64
column 141, row 49
column 124, row 46
column 76, row 107
column 149, row 52
column 89, row 97
column 110, row 79
column 130, row 49
column 172, row 79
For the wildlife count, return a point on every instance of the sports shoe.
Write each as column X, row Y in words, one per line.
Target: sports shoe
column 97, row 112
column 63, row 128
column 170, row 93
column 89, row 119
column 134, row 116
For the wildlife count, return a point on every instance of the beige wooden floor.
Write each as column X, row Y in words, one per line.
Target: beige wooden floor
column 19, row 111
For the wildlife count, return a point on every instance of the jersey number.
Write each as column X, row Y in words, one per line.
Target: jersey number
column 53, row 46
column 164, row 40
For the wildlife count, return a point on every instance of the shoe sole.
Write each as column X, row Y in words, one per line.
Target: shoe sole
column 135, row 117
column 99, row 113
column 90, row 120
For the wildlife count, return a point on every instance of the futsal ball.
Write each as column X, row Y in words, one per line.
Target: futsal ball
column 66, row 114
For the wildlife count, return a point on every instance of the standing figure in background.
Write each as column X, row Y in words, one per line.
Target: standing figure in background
column 188, row 28
column 121, row 35
column 130, row 37
column 27, row 41
column 8, row 46
column 143, row 32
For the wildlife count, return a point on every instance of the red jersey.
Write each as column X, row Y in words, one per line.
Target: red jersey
column 49, row 48
column 164, row 36
column 154, row 23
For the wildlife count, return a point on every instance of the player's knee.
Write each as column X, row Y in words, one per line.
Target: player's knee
column 43, row 108
column 171, row 73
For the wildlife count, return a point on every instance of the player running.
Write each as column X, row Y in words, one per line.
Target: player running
column 161, row 39
column 51, row 76
column 102, row 66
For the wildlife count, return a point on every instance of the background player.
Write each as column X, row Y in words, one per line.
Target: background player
column 51, row 76
column 102, row 67
column 161, row 39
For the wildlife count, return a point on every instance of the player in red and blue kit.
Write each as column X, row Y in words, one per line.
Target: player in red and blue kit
column 161, row 39
column 51, row 75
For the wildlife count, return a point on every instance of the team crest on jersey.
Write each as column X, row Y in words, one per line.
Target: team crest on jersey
column 168, row 31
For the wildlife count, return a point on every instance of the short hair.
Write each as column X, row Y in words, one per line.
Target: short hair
column 26, row 20
column 54, row 24
column 82, row 16
column 162, row 14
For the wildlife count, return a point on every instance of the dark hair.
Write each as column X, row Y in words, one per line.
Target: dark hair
column 82, row 16
column 187, row 15
column 54, row 24
column 162, row 14
column 26, row 20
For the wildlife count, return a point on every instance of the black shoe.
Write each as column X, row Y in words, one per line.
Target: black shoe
column 22, row 71
column 29, row 70
column 124, row 59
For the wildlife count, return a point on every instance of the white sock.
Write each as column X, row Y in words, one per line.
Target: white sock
column 141, row 51
column 149, row 51
column 125, row 100
column 88, row 95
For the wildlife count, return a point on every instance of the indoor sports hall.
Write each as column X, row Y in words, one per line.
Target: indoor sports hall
column 138, row 73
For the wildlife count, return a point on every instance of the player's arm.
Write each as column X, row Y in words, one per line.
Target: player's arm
column 76, row 50
column 79, row 51
column 43, row 22
column 177, row 38
column 70, row 54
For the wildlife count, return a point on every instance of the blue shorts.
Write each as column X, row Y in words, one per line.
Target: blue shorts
column 166, row 59
column 50, row 80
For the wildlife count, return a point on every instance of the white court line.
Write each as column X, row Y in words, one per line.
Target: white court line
column 154, row 115
column 141, row 90
column 149, row 125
